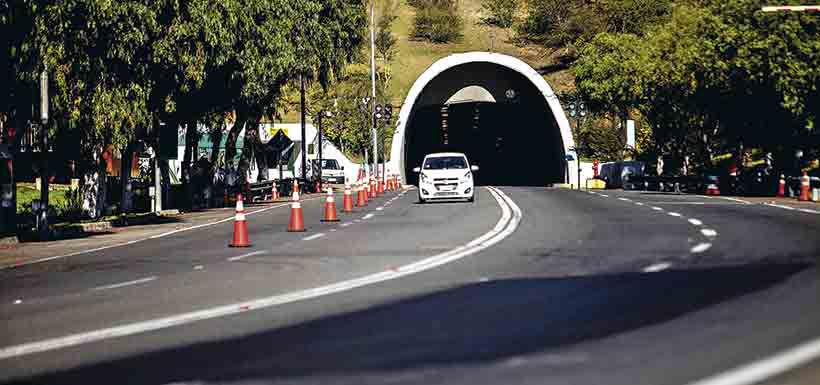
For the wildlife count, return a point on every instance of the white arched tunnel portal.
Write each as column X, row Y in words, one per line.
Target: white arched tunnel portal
column 398, row 154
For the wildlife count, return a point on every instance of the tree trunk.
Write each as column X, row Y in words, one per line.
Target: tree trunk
column 233, row 135
column 190, row 156
column 93, row 189
column 125, row 178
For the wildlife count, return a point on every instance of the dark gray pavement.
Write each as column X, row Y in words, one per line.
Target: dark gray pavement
column 565, row 299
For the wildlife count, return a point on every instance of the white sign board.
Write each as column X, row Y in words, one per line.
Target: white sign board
column 630, row 133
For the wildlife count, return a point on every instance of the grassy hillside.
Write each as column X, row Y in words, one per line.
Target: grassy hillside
column 413, row 56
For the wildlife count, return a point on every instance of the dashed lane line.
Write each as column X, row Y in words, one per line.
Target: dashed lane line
column 510, row 219
column 701, row 247
column 368, row 216
column 243, row 256
column 674, row 214
column 695, row 222
column 124, row 284
column 656, row 208
column 657, row 267
column 711, row 233
column 314, row 236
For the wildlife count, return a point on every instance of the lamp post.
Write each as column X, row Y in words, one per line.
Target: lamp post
column 42, row 221
column 368, row 116
column 319, row 144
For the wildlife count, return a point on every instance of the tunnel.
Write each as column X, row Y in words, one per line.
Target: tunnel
column 494, row 108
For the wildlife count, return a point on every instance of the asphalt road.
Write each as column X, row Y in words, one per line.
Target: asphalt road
column 583, row 288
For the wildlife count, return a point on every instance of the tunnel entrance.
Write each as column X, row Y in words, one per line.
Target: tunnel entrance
column 498, row 116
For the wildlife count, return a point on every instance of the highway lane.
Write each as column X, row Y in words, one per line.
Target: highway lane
column 563, row 300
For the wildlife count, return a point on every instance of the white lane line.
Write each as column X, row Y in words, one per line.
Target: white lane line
column 346, row 224
column 701, row 247
column 656, row 208
column 625, row 199
column 809, row 211
column 380, row 208
column 695, row 222
column 675, row 214
column 368, row 216
column 131, row 242
column 603, row 195
column 639, row 203
column 128, row 283
column 334, row 230
column 780, row 206
column 199, row 267
column 238, row 257
column 509, row 221
column 745, row 202
column 766, row 368
column 711, row 233
column 18, row 301
column 314, row 236
column 657, row 267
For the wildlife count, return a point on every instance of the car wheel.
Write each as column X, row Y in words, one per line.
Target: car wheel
column 421, row 200
column 471, row 199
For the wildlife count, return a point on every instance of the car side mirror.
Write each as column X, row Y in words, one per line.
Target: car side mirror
column 473, row 168
column 416, row 169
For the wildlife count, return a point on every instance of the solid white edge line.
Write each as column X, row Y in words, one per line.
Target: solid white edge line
column 766, row 368
column 508, row 222
column 314, row 236
column 124, row 284
column 80, row 252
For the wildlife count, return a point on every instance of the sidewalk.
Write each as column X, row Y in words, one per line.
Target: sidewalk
column 27, row 252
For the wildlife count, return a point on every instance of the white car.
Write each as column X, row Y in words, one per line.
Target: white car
column 446, row 175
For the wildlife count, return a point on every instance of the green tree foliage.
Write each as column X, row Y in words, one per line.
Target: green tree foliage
column 716, row 74
column 437, row 21
column 500, row 13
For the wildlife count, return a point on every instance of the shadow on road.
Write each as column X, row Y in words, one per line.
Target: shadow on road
column 469, row 324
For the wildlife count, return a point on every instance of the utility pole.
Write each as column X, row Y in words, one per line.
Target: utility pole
column 374, row 133
column 43, row 222
column 302, row 112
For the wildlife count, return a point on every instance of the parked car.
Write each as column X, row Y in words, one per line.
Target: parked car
column 446, row 175
column 332, row 172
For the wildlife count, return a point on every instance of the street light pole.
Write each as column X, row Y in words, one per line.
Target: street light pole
column 43, row 222
column 373, row 86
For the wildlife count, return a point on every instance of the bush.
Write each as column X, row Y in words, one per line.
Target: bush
column 501, row 12
column 438, row 24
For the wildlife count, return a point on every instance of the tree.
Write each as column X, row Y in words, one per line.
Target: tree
column 501, row 13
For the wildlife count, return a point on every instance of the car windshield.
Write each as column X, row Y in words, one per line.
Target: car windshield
column 330, row 164
column 445, row 162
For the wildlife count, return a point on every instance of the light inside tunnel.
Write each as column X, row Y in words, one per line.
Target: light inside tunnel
column 493, row 113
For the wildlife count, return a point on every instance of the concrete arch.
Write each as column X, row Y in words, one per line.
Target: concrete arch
column 398, row 149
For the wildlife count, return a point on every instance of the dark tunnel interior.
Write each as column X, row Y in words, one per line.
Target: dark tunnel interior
column 515, row 140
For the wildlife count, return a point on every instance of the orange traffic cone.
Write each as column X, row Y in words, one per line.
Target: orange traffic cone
column 381, row 186
column 781, row 186
column 330, row 207
column 240, row 226
column 347, row 205
column 360, row 196
column 274, row 193
column 805, row 187
column 295, row 186
column 296, row 223
column 371, row 188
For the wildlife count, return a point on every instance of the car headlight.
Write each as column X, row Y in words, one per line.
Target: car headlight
column 423, row 178
column 467, row 176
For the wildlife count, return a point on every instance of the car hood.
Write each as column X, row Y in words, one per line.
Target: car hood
column 451, row 173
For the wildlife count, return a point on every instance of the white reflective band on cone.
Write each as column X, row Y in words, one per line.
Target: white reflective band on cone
column 240, row 205
column 240, row 216
column 296, row 205
column 330, row 200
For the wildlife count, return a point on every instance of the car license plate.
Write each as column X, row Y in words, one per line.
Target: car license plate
column 447, row 188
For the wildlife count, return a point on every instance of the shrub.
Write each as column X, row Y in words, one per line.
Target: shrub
column 438, row 24
column 501, row 12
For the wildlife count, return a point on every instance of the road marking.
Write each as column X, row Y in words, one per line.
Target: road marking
column 639, row 203
column 603, row 195
column 701, row 247
column 314, row 236
column 333, row 230
column 510, row 219
column 123, row 284
column 131, row 242
column 656, row 208
column 695, row 222
column 238, row 257
column 709, row 233
column 624, row 199
column 745, row 202
column 675, row 214
column 380, row 208
column 368, row 216
column 346, row 224
column 18, row 301
column 199, row 267
column 657, row 267
column 766, row 368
